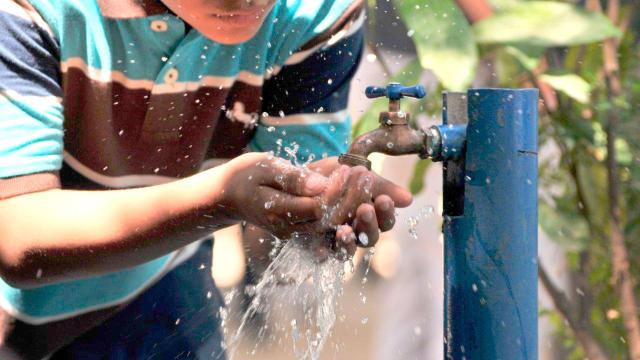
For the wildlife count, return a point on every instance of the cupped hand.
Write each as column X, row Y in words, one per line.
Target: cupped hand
column 273, row 193
column 358, row 203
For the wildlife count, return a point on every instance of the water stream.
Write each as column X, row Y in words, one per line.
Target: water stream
column 296, row 282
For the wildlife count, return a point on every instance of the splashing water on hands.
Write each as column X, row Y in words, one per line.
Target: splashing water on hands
column 297, row 279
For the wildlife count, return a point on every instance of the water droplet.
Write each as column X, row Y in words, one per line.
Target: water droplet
column 412, row 222
column 363, row 239
column 417, row 330
column 390, row 145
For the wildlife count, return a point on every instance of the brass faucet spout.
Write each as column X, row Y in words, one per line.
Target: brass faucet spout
column 394, row 136
column 390, row 140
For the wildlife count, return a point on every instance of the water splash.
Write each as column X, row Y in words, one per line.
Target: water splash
column 296, row 279
column 413, row 221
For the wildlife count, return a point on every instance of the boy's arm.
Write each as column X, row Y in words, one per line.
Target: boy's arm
column 55, row 235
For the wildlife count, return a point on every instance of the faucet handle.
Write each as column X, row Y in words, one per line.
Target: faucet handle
column 395, row 91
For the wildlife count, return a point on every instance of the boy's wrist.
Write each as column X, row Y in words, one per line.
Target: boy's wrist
column 204, row 193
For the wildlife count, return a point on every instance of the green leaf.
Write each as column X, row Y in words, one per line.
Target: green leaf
column 443, row 38
column 625, row 156
column 499, row 4
column 569, row 84
column 545, row 24
column 417, row 178
column 527, row 56
column 563, row 225
column 592, row 176
column 409, row 75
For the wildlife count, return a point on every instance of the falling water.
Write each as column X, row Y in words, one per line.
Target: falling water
column 284, row 287
column 305, row 276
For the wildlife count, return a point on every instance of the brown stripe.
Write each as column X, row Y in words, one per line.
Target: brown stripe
column 26, row 184
column 232, row 136
column 344, row 22
column 117, row 131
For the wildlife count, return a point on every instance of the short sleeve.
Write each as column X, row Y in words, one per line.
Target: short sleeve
column 305, row 104
column 31, row 111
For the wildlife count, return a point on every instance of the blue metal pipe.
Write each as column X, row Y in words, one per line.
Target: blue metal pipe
column 451, row 142
column 491, row 228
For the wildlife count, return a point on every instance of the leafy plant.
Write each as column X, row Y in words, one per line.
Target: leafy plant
column 585, row 61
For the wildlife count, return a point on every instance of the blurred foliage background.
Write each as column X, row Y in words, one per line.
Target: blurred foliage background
column 584, row 57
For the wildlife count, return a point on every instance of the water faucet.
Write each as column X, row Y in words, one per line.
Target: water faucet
column 395, row 136
column 488, row 145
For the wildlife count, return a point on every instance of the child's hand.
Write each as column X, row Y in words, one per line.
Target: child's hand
column 273, row 194
column 359, row 202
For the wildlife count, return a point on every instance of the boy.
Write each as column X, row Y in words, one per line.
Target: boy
column 152, row 104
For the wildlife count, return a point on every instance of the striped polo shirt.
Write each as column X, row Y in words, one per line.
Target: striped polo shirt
column 105, row 94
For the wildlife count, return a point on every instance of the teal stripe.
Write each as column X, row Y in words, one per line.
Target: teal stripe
column 31, row 137
column 74, row 296
column 135, row 49
column 321, row 140
column 79, row 28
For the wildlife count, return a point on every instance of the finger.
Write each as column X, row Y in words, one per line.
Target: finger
column 401, row 197
column 385, row 212
column 287, row 208
column 346, row 239
column 366, row 226
column 282, row 175
column 325, row 166
column 358, row 191
column 337, row 183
